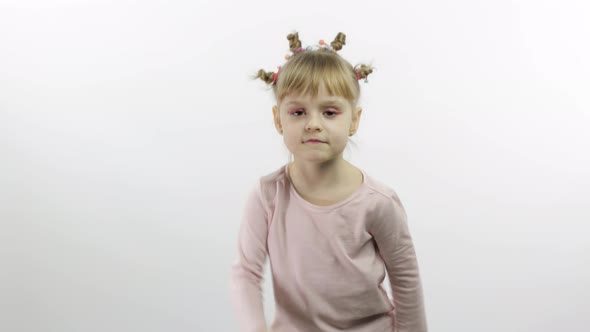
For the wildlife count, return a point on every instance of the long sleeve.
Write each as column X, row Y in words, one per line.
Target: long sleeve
column 392, row 236
column 247, row 268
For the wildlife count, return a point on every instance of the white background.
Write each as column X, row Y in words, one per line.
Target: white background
column 130, row 133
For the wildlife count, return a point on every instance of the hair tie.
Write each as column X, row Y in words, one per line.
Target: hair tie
column 275, row 75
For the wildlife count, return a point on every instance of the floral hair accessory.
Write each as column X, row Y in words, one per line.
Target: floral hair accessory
column 321, row 45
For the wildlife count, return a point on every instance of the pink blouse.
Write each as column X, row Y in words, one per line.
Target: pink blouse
column 328, row 263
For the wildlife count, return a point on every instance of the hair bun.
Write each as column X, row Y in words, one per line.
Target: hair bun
column 339, row 41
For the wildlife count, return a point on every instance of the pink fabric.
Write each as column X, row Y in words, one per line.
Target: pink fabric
column 328, row 263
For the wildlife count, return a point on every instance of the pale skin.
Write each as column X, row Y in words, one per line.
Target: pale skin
column 319, row 172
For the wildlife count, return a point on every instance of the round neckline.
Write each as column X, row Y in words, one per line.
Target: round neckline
column 324, row 208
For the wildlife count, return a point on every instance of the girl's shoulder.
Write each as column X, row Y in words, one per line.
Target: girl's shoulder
column 380, row 188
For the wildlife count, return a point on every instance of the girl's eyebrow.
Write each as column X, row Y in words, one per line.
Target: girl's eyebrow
column 323, row 102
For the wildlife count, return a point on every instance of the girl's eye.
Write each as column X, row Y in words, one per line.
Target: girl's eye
column 332, row 113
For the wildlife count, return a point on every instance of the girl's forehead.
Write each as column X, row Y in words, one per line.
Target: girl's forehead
column 321, row 96
column 317, row 99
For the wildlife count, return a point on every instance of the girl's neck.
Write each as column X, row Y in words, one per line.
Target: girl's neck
column 320, row 176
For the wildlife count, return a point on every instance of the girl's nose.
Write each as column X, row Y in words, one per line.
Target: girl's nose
column 313, row 122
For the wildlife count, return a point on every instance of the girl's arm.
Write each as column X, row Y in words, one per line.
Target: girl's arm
column 391, row 233
column 247, row 268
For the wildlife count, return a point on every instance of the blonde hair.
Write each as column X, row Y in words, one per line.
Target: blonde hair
column 306, row 70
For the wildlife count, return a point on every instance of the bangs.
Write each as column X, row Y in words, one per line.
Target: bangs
column 305, row 73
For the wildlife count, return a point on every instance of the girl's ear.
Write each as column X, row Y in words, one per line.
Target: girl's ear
column 357, row 113
column 277, row 119
column 356, row 118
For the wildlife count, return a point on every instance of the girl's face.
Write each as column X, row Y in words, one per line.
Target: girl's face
column 327, row 118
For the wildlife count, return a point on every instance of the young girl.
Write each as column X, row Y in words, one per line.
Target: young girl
column 331, row 231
